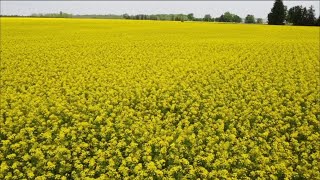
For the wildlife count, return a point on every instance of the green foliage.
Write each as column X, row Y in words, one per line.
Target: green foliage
column 318, row 21
column 190, row 17
column 259, row 21
column 53, row 15
column 299, row 15
column 278, row 13
column 250, row 19
column 207, row 17
column 229, row 17
column 166, row 17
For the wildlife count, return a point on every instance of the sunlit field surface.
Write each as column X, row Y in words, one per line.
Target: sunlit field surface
column 121, row 99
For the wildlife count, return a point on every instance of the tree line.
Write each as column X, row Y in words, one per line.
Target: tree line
column 297, row 15
column 279, row 15
column 226, row 17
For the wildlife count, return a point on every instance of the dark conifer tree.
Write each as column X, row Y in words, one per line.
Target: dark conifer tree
column 310, row 17
column 277, row 14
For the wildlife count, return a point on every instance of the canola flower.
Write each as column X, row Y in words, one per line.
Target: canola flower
column 117, row 99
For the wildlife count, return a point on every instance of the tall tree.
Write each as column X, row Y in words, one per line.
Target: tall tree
column 294, row 15
column 285, row 13
column 303, row 20
column 310, row 17
column 277, row 14
column 302, row 16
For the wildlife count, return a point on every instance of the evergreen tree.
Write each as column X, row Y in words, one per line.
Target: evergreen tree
column 318, row 21
column 295, row 15
column 302, row 16
column 277, row 14
column 303, row 19
column 310, row 17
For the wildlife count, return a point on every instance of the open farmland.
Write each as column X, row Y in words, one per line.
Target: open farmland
column 126, row 99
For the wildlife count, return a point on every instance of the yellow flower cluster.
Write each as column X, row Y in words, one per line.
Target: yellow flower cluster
column 84, row 99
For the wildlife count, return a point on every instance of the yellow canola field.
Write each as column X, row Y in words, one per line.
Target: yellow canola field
column 121, row 99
